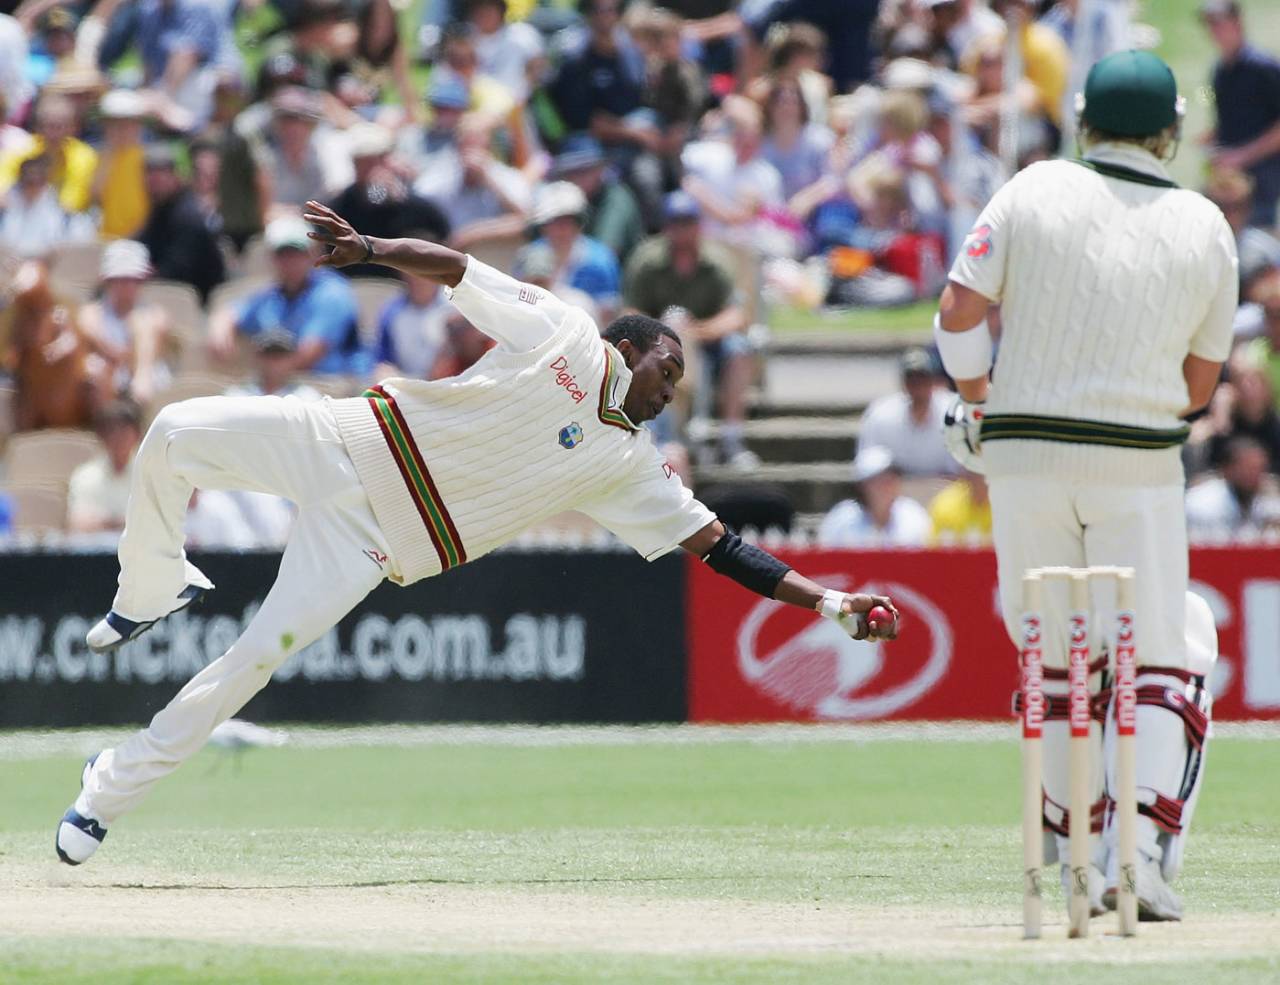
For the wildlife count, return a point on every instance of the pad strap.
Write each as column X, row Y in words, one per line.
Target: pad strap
column 1057, row 707
column 1058, row 819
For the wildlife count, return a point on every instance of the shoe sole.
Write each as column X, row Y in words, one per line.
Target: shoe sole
column 196, row 594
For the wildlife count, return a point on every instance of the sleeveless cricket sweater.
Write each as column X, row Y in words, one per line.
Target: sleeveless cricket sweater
column 1108, row 276
column 454, row 468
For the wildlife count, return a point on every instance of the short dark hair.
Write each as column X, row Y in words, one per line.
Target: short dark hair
column 641, row 331
column 119, row 411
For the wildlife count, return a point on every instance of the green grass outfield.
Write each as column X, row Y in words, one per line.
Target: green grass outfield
column 838, row 854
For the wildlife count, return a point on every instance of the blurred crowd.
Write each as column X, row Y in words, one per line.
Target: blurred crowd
column 691, row 160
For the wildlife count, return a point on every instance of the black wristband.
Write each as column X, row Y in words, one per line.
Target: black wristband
column 746, row 564
column 368, row 248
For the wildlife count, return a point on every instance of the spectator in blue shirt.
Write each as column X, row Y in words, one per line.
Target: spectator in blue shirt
column 178, row 41
column 1246, row 89
column 411, row 330
column 581, row 262
column 316, row 306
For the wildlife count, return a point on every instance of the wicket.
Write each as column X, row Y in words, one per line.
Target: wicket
column 1034, row 707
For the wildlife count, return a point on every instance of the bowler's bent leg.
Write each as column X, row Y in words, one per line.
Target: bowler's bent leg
column 324, row 573
column 284, row 446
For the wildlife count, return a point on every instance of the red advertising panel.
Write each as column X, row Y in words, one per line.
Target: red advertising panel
column 752, row 660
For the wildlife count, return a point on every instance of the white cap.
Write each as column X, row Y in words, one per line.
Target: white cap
column 368, row 140
column 125, row 259
column 560, row 198
column 908, row 73
column 123, row 104
column 871, row 461
column 287, row 231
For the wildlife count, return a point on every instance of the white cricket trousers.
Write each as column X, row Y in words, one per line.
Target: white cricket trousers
column 1043, row 522
column 278, row 445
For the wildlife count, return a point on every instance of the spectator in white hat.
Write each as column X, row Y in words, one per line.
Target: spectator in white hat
column 583, row 263
column 120, row 183
column 878, row 515
column 126, row 338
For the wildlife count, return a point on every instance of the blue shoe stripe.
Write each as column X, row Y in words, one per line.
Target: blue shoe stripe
column 125, row 627
column 86, row 824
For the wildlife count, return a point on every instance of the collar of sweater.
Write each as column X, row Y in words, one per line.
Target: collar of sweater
column 616, row 383
column 1128, row 156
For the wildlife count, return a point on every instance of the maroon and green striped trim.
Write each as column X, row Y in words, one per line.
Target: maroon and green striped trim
column 607, row 414
column 422, row 490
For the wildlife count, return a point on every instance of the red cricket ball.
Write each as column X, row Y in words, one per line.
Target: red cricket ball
column 879, row 617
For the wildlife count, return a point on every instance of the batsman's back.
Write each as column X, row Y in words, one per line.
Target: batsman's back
column 1107, row 284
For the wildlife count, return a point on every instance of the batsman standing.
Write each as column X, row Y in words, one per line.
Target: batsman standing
column 1116, row 292
column 404, row 483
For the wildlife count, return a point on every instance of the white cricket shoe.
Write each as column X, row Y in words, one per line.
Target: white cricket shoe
column 1156, row 901
column 1096, row 880
column 78, row 835
column 115, row 630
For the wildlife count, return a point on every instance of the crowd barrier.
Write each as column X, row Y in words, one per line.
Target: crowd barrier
column 589, row 636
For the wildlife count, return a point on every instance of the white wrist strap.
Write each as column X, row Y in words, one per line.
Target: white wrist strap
column 832, row 604
column 965, row 355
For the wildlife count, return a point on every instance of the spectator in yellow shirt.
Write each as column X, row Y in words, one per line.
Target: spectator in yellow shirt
column 961, row 512
column 119, row 186
column 1046, row 62
column 72, row 161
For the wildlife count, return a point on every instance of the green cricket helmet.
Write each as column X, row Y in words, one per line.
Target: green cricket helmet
column 1131, row 94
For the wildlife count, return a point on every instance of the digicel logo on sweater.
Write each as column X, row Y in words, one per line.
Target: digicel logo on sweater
column 566, row 379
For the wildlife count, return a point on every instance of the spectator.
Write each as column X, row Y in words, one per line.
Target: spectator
column 612, row 216
column 215, row 522
column 177, row 235
column 1242, row 502
column 970, row 174
column 464, row 345
column 33, row 221
column 98, row 492
column 379, row 50
column 983, row 62
column 511, row 53
column 120, row 184
column 959, row 23
column 274, row 368
column 796, row 53
column 481, row 197
column 1258, row 250
column 961, row 512
column 600, row 88
column 411, row 330
column 459, row 63
column 313, row 304
column 536, row 264
column 14, row 141
column 427, row 148
column 797, row 148
column 1246, row 90
column 299, row 162
column 44, row 354
column 1045, row 59
column 581, row 262
column 378, row 202
column 206, row 183
column 737, row 188
column 846, row 24
column 674, row 90
column 909, row 423
column 878, row 515
column 126, row 338
column 1245, row 407
column 71, row 161
column 714, row 26
column 677, row 270
column 178, row 42
column 14, row 87
column 1264, row 351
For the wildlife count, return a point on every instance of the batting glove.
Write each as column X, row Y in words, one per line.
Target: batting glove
column 962, row 432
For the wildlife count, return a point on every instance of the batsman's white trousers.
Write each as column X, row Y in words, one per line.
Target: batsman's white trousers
column 284, row 446
column 1042, row 522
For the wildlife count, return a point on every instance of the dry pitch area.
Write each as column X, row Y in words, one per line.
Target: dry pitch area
column 578, row 855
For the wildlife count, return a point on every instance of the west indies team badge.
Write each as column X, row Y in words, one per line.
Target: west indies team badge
column 571, row 435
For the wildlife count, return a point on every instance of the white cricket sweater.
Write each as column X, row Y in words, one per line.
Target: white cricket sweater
column 454, row 468
column 1107, row 279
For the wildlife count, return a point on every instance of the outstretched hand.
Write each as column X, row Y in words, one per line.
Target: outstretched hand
column 345, row 245
column 857, row 607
